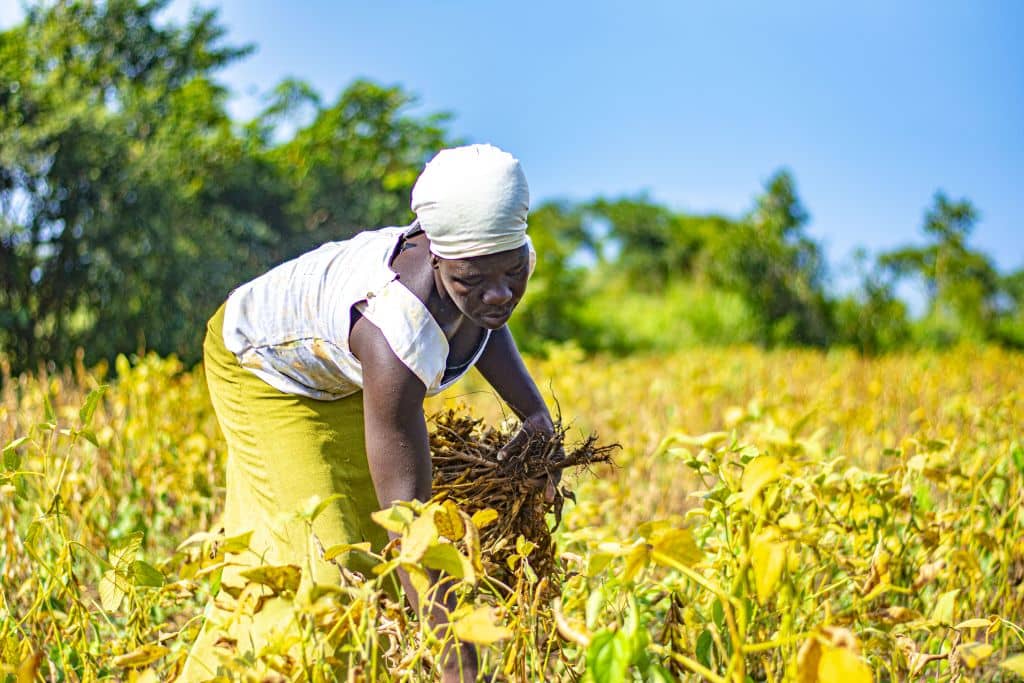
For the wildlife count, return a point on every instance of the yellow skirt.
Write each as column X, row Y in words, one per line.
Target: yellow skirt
column 282, row 451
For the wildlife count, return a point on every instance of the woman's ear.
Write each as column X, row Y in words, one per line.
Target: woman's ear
column 435, row 263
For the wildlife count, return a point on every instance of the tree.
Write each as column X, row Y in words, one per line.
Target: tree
column 550, row 311
column 1010, row 310
column 114, row 145
column 961, row 284
column 873, row 319
column 651, row 244
column 130, row 202
column 353, row 167
column 778, row 269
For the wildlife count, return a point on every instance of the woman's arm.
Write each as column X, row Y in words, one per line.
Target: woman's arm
column 502, row 366
column 398, row 453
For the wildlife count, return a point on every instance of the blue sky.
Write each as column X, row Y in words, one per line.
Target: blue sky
column 872, row 105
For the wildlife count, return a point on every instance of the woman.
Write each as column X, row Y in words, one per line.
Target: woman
column 318, row 369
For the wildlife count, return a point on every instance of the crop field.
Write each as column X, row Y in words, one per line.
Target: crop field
column 783, row 515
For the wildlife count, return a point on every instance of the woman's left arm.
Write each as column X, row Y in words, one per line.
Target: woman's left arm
column 503, row 368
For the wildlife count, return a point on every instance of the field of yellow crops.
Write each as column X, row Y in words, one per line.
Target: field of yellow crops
column 788, row 515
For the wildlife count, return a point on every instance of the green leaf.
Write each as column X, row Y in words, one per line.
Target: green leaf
column 594, row 604
column 923, row 496
column 608, row 657
column 48, row 411
column 89, row 436
column 144, row 574
column 703, row 648
column 1017, row 453
column 944, row 609
column 973, row 623
column 447, row 558
column 12, row 460
column 718, row 615
column 91, row 402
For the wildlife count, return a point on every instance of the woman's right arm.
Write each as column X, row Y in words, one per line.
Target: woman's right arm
column 398, row 454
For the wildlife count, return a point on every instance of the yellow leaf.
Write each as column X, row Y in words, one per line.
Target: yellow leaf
column 841, row 665
column 597, row 562
column 710, row 440
column 479, row 626
column 1014, row 664
column 141, row 656
column 807, row 660
column 524, row 547
column 147, row 676
column 124, row 551
column 758, row 473
column 675, row 544
column 421, row 535
column 472, row 540
column 419, row 579
column 485, row 517
column 636, row 560
column 973, row 623
column 767, row 559
column 113, row 588
column 974, row 654
column 29, row 668
column 394, row 518
column 342, row 548
column 198, row 538
column 237, row 544
column 278, row 578
column 449, row 522
column 790, row 522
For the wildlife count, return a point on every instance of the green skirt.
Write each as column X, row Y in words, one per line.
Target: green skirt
column 283, row 450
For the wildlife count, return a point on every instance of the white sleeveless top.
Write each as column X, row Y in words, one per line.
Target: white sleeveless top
column 290, row 326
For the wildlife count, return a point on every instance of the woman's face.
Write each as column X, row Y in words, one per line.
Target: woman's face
column 486, row 288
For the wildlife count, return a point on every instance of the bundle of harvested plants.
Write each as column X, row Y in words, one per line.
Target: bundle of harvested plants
column 480, row 467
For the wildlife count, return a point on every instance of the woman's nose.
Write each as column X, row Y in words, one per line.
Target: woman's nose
column 498, row 295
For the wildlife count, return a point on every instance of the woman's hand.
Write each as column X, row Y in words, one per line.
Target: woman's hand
column 536, row 426
column 503, row 367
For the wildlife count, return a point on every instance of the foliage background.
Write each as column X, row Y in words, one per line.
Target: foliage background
column 131, row 204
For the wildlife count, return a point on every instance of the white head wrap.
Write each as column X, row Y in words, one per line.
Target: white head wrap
column 472, row 201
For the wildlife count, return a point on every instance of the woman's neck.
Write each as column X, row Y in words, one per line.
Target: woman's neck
column 412, row 263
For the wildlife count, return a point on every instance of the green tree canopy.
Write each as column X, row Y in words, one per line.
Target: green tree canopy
column 131, row 203
column 962, row 284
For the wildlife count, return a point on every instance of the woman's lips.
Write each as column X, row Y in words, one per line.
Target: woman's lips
column 498, row 316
